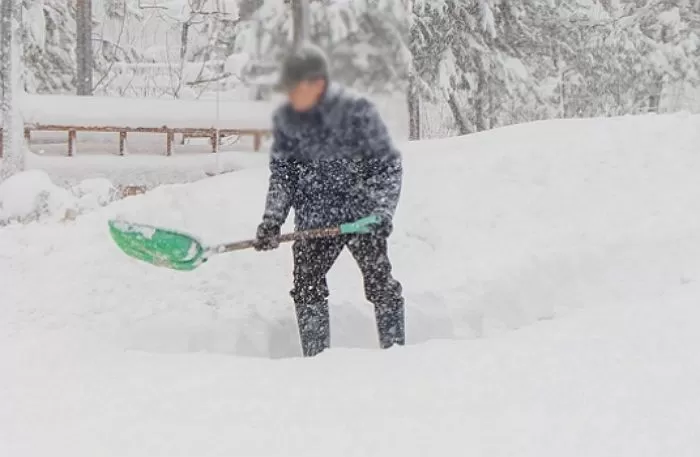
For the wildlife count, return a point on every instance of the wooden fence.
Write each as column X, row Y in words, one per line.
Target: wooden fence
column 213, row 134
column 123, row 116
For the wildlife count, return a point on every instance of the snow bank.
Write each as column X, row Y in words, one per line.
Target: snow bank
column 31, row 196
column 145, row 170
column 94, row 193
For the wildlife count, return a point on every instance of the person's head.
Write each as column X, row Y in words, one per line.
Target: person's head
column 304, row 76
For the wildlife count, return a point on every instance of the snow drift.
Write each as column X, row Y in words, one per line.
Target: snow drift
column 31, row 196
column 582, row 234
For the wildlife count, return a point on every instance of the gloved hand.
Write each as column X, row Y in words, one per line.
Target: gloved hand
column 266, row 237
column 384, row 227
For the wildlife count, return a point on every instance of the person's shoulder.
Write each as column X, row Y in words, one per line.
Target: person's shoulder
column 280, row 114
column 282, row 123
column 351, row 104
column 354, row 100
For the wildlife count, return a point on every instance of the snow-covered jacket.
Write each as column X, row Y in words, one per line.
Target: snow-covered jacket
column 333, row 164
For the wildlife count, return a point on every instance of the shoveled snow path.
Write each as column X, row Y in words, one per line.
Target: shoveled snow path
column 613, row 381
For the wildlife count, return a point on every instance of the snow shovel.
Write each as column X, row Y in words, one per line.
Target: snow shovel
column 180, row 251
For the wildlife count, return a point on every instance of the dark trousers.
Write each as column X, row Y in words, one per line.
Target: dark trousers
column 312, row 261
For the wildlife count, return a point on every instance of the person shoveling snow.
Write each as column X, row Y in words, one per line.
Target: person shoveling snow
column 333, row 161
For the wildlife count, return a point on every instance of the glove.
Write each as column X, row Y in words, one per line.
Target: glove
column 266, row 238
column 383, row 228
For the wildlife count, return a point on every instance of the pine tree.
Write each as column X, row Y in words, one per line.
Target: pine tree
column 672, row 31
column 455, row 56
column 498, row 62
column 48, row 37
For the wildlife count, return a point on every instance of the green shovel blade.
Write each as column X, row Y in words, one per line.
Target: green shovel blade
column 158, row 246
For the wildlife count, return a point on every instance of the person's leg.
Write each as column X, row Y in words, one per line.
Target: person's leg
column 312, row 260
column 381, row 288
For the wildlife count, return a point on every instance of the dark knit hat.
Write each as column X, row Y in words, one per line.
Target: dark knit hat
column 306, row 62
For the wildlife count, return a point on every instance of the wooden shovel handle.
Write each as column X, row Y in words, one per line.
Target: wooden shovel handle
column 285, row 238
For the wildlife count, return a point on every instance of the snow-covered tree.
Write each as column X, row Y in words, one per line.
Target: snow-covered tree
column 364, row 39
column 487, row 62
column 495, row 62
column 48, row 39
column 671, row 33
column 114, row 43
column 13, row 153
column 458, row 59
column 617, row 56
column 157, row 48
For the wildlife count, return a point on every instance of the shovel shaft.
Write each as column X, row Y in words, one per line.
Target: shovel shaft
column 181, row 251
column 285, row 238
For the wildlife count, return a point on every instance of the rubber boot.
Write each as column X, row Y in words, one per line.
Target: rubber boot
column 314, row 328
column 391, row 324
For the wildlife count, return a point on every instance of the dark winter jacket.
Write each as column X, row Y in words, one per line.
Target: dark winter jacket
column 332, row 165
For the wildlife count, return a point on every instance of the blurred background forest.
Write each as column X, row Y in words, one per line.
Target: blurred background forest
column 458, row 66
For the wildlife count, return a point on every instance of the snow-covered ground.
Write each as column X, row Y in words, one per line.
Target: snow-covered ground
column 126, row 112
column 552, row 273
column 146, row 170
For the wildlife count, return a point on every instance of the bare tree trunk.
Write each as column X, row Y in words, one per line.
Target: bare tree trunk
column 559, row 67
column 6, row 72
column 12, row 153
column 300, row 16
column 655, row 96
column 413, row 100
column 479, row 98
column 6, row 14
column 461, row 121
column 184, row 50
column 184, row 40
column 658, row 83
column 413, row 94
column 84, row 47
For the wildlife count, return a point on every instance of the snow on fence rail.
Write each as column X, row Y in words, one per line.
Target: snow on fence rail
column 193, row 118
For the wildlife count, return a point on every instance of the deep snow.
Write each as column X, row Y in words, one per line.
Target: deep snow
column 551, row 272
column 31, row 196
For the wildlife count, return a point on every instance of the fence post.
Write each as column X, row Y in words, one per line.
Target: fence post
column 169, row 143
column 72, row 136
column 122, row 142
column 215, row 141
